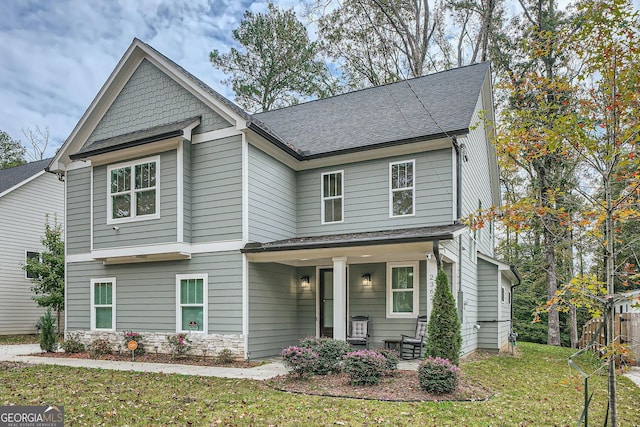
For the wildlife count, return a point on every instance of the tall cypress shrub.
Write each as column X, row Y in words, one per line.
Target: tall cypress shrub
column 444, row 338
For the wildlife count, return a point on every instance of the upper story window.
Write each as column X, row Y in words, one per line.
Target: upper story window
column 133, row 190
column 402, row 188
column 332, row 197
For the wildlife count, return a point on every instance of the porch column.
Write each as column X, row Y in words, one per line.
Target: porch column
column 340, row 298
column 432, row 272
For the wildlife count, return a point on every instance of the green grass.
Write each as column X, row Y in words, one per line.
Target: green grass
column 533, row 389
column 18, row 339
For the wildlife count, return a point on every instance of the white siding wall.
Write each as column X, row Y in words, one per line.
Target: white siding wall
column 21, row 228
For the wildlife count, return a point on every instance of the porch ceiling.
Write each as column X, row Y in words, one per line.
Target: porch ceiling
column 358, row 248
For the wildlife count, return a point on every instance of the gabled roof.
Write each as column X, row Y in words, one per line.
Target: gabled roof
column 14, row 177
column 428, row 107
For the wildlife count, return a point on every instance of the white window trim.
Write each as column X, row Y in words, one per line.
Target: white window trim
column 25, row 262
column 111, row 280
column 133, row 217
column 392, row 190
column 205, row 302
column 322, row 198
column 416, row 289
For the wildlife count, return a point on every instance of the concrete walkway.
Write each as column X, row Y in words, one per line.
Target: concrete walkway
column 634, row 375
column 24, row 353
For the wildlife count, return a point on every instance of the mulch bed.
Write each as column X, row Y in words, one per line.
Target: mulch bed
column 155, row 358
column 401, row 386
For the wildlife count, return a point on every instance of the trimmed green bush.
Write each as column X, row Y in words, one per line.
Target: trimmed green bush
column 365, row 367
column 72, row 344
column 444, row 338
column 392, row 358
column 180, row 344
column 99, row 348
column 48, row 336
column 225, row 357
column 329, row 351
column 301, row 360
column 438, row 376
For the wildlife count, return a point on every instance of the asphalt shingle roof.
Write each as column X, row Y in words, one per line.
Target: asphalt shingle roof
column 434, row 105
column 420, row 234
column 15, row 175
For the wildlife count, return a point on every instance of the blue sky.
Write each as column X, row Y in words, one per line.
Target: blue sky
column 55, row 55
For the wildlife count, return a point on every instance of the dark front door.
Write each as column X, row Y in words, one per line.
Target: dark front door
column 326, row 302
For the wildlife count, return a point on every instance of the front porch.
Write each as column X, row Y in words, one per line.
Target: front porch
column 311, row 288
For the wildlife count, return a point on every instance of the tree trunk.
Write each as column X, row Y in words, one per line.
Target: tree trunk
column 573, row 323
column 610, row 272
column 553, row 327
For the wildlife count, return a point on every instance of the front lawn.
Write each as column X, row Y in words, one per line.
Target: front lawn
column 19, row 339
column 532, row 389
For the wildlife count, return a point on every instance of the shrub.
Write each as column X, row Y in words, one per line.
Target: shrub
column 48, row 336
column 301, row 360
column 330, row 353
column 365, row 367
column 180, row 344
column 72, row 344
column 99, row 348
column 437, row 375
column 225, row 357
column 134, row 336
column 391, row 357
column 444, row 338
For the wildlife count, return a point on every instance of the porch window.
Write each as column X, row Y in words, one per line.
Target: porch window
column 402, row 290
column 191, row 295
column 133, row 191
column 402, row 188
column 103, row 304
column 332, row 197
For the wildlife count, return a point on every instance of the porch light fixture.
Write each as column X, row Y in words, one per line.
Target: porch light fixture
column 304, row 281
column 366, row 280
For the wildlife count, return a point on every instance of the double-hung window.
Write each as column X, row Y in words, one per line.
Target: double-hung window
column 103, row 304
column 402, row 193
column 133, row 190
column 191, row 294
column 332, row 197
column 402, row 290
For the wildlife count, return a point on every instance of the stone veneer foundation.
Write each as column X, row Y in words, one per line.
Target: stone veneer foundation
column 153, row 342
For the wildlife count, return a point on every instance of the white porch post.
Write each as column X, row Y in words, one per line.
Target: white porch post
column 340, row 298
column 432, row 272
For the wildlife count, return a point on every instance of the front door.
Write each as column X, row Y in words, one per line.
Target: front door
column 326, row 302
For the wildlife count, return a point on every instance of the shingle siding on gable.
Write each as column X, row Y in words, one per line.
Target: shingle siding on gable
column 272, row 198
column 366, row 195
column 161, row 230
column 150, row 98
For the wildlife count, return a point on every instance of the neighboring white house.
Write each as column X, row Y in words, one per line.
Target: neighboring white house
column 27, row 195
column 631, row 305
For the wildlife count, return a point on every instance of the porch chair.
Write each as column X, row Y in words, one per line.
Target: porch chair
column 359, row 331
column 411, row 346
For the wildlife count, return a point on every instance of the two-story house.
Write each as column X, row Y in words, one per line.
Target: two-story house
column 187, row 214
column 28, row 198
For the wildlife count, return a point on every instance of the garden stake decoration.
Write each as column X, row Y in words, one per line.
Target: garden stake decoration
column 132, row 345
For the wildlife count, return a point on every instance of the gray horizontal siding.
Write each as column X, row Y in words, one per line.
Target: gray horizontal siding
column 366, row 195
column 146, row 292
column 186, row 176
column 272, row 198
column 273, row 319
column 216, row 190
column 78, row 211
column 151, row 98
column 161, row 230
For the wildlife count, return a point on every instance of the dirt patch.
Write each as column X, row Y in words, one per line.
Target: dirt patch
column 155, row 358
column 401, row 386
column 7, row 366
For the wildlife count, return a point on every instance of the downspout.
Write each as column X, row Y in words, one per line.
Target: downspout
column 458, row 148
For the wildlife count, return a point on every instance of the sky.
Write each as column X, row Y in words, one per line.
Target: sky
column 55, row 55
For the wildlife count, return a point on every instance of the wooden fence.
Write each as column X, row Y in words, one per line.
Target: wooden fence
column 627, row 331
